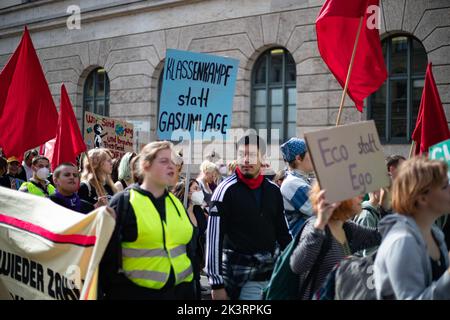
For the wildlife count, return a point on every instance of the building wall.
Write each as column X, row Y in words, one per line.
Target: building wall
column 129, row 39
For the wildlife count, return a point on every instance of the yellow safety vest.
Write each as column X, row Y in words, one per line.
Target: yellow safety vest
column 160, row 245
column 33, row 189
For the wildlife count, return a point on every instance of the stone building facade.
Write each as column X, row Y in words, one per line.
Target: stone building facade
column 129, row 39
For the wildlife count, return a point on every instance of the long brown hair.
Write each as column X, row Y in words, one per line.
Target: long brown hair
column 97, row 157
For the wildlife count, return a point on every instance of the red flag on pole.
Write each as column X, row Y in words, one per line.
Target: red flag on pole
column 431, row 125
column 47, row 149
column 28, row 115
column 69, row 142
column 336, row 27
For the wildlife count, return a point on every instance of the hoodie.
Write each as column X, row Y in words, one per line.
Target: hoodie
column 402, row 268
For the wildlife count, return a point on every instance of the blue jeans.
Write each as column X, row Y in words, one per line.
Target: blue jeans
column 253, row 290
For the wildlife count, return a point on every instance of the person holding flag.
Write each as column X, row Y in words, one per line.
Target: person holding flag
column 97, row 187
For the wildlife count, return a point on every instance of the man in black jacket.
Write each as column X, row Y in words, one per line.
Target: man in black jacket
column 246, row 222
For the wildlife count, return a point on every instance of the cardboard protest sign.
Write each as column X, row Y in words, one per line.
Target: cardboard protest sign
column 48, row 251
column 197, row 93
column 103, row 132
column 348, row 160
column 441, row 151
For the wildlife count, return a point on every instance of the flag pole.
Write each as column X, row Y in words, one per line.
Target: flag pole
column 352, row 60
column 97, row 184
column 412, row 149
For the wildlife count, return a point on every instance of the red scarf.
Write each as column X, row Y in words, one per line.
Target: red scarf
column 252, row 183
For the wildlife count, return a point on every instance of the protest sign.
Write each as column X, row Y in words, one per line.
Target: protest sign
column 197, row 93
column 441, row 151
column 48, row 251
column 348, row 160
column 113, row 134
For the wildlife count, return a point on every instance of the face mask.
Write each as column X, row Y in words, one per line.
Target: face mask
column 223, row 171
column 43, row 173
column 197, row 197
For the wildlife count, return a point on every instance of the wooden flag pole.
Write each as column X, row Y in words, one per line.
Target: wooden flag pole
column 412, row 149
column 350, row 67
column 97, row 184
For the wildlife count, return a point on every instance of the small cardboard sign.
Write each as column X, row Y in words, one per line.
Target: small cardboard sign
column 441, row 151
column 103, row 132
column 348, row 160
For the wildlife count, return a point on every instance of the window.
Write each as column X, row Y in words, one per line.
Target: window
column 395, row 106
column 96, row 93
column 274, row 93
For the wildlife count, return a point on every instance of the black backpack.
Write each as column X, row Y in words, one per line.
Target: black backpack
column 350, row 279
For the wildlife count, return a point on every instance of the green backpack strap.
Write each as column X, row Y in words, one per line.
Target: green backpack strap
column 284, row 283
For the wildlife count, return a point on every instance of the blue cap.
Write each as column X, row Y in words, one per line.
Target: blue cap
column 292, row 148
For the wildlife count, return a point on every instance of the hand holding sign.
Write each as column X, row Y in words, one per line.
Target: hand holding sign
column 324, row 211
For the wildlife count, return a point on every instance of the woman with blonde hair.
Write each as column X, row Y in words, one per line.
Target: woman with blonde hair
column 327, row 238
column 97, row 186
column 412, row 261
column 147, row 257
column 206, row 178
column 125, row 178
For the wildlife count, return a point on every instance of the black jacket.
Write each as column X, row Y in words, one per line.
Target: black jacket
column 244, row 220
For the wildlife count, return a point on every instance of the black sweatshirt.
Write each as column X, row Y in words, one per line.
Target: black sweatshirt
column 238, row 222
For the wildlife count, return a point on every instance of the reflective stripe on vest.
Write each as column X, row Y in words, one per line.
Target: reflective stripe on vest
column 149, row 260
column 33, row 189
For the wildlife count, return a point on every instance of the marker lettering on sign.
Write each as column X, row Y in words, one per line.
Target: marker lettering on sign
column 360, row 180
column 187, row 100
column 187, row 121
column 332, row 155
column 367, row 147
column 209, row 72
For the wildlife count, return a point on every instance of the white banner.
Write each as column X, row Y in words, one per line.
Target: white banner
column 48, row 251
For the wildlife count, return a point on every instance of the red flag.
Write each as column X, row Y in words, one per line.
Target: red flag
column 28, row 114
column 47, row 149
column 69, row 142
column 336, row 28
column 431, row 125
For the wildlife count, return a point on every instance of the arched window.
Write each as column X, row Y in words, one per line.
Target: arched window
column 394, row 107
column 96, row 92
column 274, row 93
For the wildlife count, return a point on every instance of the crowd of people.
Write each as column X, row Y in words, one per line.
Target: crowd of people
column 235, row 222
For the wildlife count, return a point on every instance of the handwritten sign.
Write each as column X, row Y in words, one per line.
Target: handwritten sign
column 197, row 93
column 348, row 160
column 441, row 151
column 103, row 132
